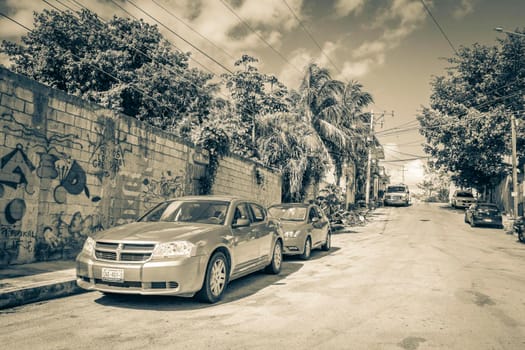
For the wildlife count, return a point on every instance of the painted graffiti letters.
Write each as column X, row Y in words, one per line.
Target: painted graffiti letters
column 13, row 240
column 108, row 152
column 15, row 168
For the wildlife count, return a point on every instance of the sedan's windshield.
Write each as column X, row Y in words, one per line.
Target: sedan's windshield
column 393, row 189
column 488, row 206
column 288, row 213
column 464, row 194
column 208, row 212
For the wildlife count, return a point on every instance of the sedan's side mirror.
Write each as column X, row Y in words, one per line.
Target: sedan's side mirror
column 241, row 223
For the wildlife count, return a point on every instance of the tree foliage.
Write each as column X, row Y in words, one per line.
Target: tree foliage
column 467, row 126
column 251, row 99
column 122, row 64
column 335, row 111
column 127, row 65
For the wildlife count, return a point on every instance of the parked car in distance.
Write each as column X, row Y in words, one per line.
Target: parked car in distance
column 305, row 227
column 397, row 195
column 462, row 199
column 187, row 246
column 487, row 214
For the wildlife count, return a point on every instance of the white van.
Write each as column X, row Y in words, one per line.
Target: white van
column 397, row 195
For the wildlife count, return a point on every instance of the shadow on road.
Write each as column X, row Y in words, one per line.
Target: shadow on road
column 316, row 254
column 237, row 289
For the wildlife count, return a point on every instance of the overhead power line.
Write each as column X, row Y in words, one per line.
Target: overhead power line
column 140, row 91
column 172, row 44
column 439, row 27
column 144, row 54
column 311, row 36
column 258, row 35
column 193, row 30
column 182, row 38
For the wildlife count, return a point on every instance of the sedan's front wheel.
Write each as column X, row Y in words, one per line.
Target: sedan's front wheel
column 328, row 243
column 215, row 280
column 307, row 252
column 277, row 259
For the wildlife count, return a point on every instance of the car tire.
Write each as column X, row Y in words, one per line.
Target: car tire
column 472, row 223
column 521, row 237
column 215, row 280
column 307, row 250
column 328, row 243
column 275, row 265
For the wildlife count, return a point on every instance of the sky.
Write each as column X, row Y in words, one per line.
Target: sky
column 392, row 47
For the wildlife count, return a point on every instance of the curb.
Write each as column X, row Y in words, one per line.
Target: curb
column 34, row 291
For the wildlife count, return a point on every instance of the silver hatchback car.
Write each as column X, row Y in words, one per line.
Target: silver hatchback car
column 188, row 246
column 305, row 227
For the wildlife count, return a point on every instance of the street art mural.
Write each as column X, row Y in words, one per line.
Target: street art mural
column 63, row 239
column 138, row 192
column 57, row 172
column 108, row 150
column 168, row 186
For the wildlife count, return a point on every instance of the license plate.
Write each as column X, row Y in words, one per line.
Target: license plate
column 112, row 275
column 487, row 220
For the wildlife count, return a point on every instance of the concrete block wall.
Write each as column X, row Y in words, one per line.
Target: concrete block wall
column 69, row 168
column 247, row 179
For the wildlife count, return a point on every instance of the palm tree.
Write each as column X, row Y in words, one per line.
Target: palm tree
column 335, row 111
column 289, row 144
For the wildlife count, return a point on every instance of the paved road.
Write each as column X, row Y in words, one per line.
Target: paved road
column 414, row 278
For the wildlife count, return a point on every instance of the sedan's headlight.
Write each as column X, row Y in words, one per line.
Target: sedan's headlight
column 174, row 249
column 292, row 234
column 89, row 246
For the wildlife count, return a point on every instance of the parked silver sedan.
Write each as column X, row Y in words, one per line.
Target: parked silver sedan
column 186, row 246
column 305, row 227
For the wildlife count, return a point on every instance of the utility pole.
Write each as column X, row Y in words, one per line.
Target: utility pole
column 515, row 187
column 369, row 162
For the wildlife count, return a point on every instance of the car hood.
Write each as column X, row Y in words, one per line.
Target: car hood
column 155, row 232
column 293, row 225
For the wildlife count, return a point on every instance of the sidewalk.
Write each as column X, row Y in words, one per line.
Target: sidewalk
column 29, row 283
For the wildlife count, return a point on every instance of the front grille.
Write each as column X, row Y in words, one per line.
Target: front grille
column 127, row 284
column 105, row 255
column 134, row 257
column 131, row 252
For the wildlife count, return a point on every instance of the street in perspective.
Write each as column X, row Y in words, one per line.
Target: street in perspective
column 415, row 277
column 279, row 174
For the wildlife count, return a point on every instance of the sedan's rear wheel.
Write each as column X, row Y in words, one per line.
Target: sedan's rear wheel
column 215, row 280
column 307, row 252
column 277, row 259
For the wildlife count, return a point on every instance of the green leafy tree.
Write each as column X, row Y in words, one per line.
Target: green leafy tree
column 467, row 127
column 435, row 185
column 122, row 64
column 254, row 95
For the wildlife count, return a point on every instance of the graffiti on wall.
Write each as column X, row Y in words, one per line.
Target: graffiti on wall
column 138, row 192
column 108, row 150
column 17, row 172
column 14, row 239
column 63, row 239
column 168, row 186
